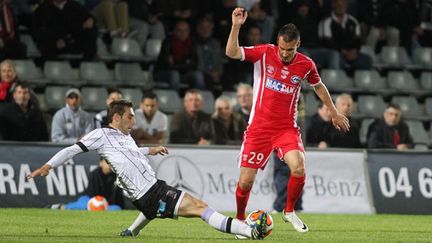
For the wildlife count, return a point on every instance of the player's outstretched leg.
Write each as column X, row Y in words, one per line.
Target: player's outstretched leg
column 193, row 207
column 133, row 230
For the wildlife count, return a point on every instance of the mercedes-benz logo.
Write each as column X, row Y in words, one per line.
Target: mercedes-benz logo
column 181, row 173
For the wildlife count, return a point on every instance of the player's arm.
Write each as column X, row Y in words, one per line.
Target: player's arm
column 154, row 150
column 339, row 120
column 58, row 159
column 233, row 50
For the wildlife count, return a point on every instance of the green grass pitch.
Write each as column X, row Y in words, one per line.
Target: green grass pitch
column 46, row 225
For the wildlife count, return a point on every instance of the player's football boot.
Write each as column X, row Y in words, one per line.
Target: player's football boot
column 295, row 221
column 259, row 227
column 126, row 233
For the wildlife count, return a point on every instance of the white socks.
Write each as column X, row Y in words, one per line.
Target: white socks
column 140, row 222
column 225, row 224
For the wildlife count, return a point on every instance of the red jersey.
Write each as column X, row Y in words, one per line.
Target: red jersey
column 276, row 88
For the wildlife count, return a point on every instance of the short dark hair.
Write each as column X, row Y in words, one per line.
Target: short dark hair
column 394, row 106
column 149, row 95
column 289, row 32
column 118, row 107
column 114, row 90
column 22, row 85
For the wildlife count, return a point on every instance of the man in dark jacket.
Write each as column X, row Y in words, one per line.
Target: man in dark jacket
column 64, row 27
column 390, row 131
column 21, row 120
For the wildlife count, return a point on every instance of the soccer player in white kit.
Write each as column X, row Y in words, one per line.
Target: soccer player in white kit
column 153, row 197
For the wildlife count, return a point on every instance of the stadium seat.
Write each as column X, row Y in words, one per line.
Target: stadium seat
column 409, row 105
column 55, row 97
column 311, row 103
column 132, row 94
column 126, row 49
column 209, row 101
column 369, row 80
column 423, row 57
column 428, row 106
column 27, row 70
column 364, row 129
column 96, row 73
column 169, row 100
column 426, row 81
column 93, row 98
column 131, row 74
column 402, row 81
column 394, row 56
column 336, row 79
column 368, row 50
column 153, row 48
column 371, row 105
column 32, row 50
column 60, row 72
column 418, row 132
column 102, row 51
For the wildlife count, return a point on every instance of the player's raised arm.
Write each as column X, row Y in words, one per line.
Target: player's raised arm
column 338, row 120
column 232, row 50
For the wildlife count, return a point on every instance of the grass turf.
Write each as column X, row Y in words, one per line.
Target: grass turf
column 45, row 225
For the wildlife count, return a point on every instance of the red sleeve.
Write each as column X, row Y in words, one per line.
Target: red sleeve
column 253, row 53
column 313, row 76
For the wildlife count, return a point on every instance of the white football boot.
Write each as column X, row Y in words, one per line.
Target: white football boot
column 295, row 221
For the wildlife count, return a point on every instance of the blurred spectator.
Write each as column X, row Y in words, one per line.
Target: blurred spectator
column 111, row 15
column 145, row 18
column 222, row 18
column 209, row 55
column 260, row 14
column 177, row 60
column 186, row 10
column 102, row 183
column 8, row 79
column 64, row 27
column 425, row 32
column 306, row 17
column 370, row 15
column 101, row 119
column 340, row 139
column 70, row 123
column 404, row 15
column 317, row 127
column 244, row 95
column 10, row 45
column 151, row 126
column 192, row 125
column 21, row 120
column 389, row 131
column 228, row 125
column 341, row 31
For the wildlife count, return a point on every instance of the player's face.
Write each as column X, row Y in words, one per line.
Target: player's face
column 392, row 116
column 287, row 50
column 127, row 120
column 7, row 73
column 114, row 96
column 149, row 106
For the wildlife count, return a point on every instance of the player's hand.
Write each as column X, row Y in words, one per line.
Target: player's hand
column 340, row 122
column 239, row 16
column 42, row 171
column 158, row 150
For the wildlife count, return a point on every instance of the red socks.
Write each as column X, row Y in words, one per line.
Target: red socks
column 242, row 198
column 294, row 190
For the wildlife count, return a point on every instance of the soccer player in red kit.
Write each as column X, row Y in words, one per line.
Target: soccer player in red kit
column 278, row 71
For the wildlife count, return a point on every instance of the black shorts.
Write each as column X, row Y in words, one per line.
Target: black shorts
column 160, row 201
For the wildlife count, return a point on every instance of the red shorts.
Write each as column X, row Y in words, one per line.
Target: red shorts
column 259, row 144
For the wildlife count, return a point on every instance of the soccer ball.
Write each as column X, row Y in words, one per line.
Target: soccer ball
column 97, row 203
column 253, row 217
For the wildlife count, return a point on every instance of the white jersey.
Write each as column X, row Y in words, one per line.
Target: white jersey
column 159, row 123
column 134, row 173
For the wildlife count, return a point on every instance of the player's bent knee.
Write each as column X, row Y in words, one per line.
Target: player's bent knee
column 299, row 171
column 246, row 184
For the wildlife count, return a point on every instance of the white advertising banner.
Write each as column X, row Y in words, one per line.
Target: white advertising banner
column 336, row 183
column 212, row 174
